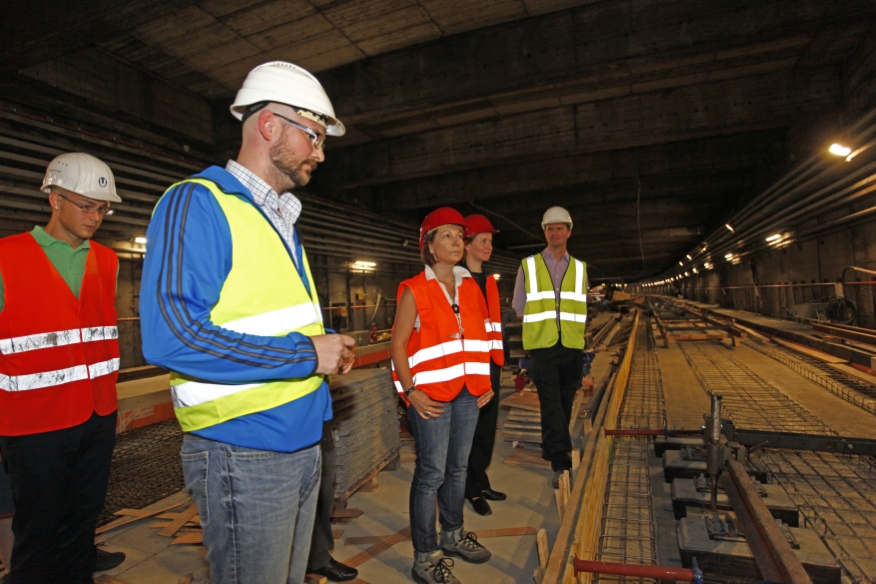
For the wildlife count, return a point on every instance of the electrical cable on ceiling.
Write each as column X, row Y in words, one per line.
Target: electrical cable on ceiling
column 639, row 219
column 502, row 217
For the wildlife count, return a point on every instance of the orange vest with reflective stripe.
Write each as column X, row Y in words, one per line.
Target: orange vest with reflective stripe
column 441, row 358
column 497, row 350
column 59, row 356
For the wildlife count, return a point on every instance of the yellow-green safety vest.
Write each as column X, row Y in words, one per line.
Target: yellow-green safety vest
column 540, row 312
column 262, row 295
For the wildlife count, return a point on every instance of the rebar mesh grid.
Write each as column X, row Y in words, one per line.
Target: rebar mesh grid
column 628, row 532
column 848, row 388
column 749, row 400
column 836, row 495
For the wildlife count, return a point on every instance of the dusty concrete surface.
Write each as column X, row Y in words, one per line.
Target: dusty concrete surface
column 685, row 399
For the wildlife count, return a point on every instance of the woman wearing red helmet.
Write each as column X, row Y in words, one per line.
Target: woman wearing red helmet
column 478, row 249
column 441, row 365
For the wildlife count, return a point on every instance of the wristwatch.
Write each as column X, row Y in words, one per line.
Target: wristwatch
column 410, row 390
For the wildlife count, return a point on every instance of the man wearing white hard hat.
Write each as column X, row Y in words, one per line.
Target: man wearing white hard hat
column 551, row 296
column 229, row 305
column 59, row 361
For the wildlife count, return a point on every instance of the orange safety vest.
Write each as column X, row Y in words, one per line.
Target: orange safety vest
column 441, row 358
column 497, row 350
column 59, row 356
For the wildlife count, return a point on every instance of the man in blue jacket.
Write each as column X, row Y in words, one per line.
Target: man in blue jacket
column 228, row 304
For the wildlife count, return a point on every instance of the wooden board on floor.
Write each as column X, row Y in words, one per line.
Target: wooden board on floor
column 820, row 355
column 526, row 400
column 179, row 522
column 377, row 548
column 527, row 457
column 132, row 515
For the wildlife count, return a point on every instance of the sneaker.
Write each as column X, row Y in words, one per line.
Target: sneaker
column 432, row 568
column 464, row 545
column 105, row 560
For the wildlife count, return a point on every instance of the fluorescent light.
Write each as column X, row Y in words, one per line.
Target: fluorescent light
column 140, row 240
column 688, row 257
column 727, row 225
column 839, row 149
column 774, row 237
column 680, row 263
column 497, row 276
column 686, row 274
column 364, row 264
column 729, row 256
column 694, row 270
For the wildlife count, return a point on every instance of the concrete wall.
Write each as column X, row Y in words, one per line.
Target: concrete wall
column 792, row 276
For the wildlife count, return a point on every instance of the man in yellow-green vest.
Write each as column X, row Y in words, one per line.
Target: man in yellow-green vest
column 229, row 305
column 550, row 295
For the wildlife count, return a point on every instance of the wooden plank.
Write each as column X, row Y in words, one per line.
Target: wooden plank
column 820, row 355
column 346, row 513
column 179, row 522
column 527, row 400
column 130, row 516
column 542, row 544
column 854, row 373
column 315, row 579
column 866, row 338
column 189, row 538
column 337, row 533
column 527, row 457
column 759, row 336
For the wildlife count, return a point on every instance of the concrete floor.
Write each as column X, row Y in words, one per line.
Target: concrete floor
column 530, row 500
column 152, row 560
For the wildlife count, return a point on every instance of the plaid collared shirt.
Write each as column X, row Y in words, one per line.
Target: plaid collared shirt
column 283, row 210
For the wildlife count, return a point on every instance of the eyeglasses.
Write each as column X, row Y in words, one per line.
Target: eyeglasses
column 315, row 137
column 101, row 210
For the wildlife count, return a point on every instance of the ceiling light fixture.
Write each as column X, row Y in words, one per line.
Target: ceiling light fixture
column 497, row 276
column 727, row 225
column 680, row 263
column 688, row 257
column 774, row 237
column 728, row 256
column 141, row 240
column 839, row 150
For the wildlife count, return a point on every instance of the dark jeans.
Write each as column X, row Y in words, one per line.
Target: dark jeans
column 323, row 541
column 59, row 481
column 484, row 438
column 557, row 373
column 442, row 446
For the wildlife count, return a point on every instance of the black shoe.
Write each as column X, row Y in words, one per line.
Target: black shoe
column 491, row 495
column 336, row 571
column 480, row 506
column 105, row 560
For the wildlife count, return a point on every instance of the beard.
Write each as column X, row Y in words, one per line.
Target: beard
column 290, row 168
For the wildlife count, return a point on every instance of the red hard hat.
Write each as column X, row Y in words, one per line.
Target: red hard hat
column 475, row 224
column 437, row 218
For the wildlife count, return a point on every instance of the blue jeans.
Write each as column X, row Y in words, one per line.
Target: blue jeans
column 256, row 509
column 442, row 445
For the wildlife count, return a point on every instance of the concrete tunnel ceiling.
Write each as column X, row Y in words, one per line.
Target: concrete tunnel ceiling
column 652, row 121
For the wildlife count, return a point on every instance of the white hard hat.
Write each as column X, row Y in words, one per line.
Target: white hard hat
column 556, row 215
column 82, row 174
column 288, row 84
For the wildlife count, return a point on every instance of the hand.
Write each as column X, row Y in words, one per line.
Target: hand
column 334, row 353
column 485, row 398
column 425, row 405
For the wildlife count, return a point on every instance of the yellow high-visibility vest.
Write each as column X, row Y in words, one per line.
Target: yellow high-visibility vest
column 262, row 295
column 541, row 312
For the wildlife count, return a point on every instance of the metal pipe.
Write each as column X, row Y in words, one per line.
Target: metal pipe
column 714, row 454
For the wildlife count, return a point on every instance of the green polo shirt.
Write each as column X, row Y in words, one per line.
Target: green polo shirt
column 69, row 262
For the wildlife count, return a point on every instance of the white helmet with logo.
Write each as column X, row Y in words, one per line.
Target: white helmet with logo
column 82, row 174
column 291, row 85
column 556, row 215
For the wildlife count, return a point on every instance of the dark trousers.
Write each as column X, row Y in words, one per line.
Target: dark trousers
column 323, row 541
column 59, row 481
column 485, row 437
column 557, row 373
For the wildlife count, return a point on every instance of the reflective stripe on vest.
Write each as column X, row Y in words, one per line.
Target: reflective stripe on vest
column 542, row 312
column 59, row 377
column 57, row 339
column 262, row 295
